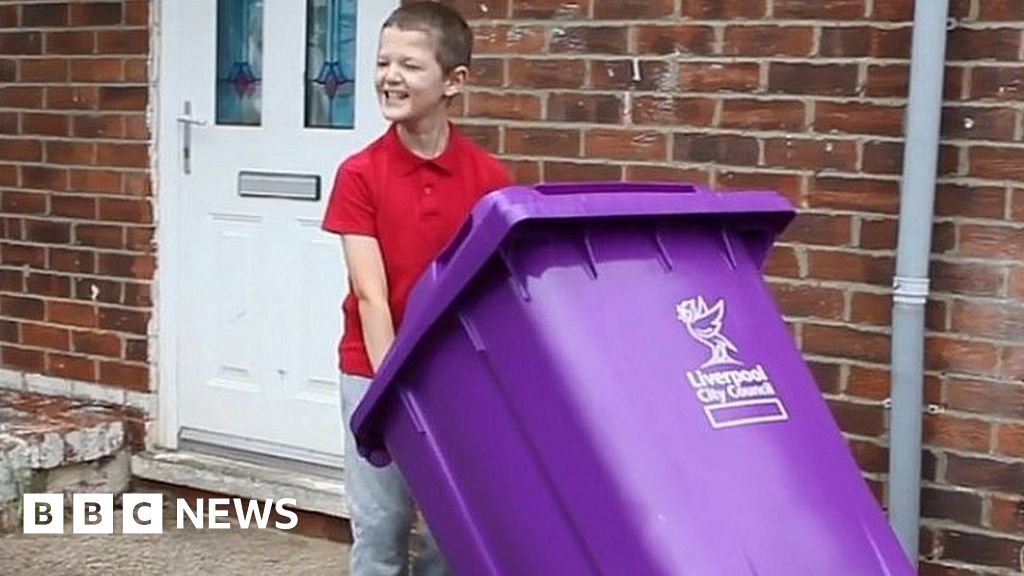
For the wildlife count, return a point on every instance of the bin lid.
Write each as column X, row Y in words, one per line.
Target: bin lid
column 494, row 217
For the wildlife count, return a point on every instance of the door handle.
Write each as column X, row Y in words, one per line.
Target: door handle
column 187, row 121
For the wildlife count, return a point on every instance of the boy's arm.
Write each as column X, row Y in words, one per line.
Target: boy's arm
column 370, row 287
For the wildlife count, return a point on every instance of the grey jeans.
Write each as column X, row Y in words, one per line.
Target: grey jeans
column 382, row 510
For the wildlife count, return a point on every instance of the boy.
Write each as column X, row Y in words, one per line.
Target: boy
column 396, row 204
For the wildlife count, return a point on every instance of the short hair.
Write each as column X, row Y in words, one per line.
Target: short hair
column 453, row 38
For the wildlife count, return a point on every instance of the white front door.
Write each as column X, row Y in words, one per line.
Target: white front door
column 247, row 157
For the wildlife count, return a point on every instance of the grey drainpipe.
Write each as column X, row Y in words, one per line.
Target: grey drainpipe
column 917, row 202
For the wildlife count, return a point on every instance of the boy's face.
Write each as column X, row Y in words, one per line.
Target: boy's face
column 410, row 82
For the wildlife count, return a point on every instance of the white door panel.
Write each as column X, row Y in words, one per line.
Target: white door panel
column 257, row 283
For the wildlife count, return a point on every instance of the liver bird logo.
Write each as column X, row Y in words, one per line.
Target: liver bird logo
column 705, row 325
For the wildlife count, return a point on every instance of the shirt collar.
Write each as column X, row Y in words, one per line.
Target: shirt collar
column 407, row 161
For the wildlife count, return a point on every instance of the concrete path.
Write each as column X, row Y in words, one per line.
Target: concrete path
column 185, row 552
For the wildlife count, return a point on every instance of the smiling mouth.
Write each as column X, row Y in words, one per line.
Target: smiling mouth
column 393, row 95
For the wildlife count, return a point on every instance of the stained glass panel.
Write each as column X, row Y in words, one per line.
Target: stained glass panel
column 239, row 61
column 330, row 63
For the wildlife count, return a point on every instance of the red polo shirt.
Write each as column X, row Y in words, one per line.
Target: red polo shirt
column 413, row 207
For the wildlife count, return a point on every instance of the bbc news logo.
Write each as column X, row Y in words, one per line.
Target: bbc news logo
column 144, row 513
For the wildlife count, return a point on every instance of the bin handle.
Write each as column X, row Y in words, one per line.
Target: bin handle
column 566, row 189
column 446, row 255
column 616, row 187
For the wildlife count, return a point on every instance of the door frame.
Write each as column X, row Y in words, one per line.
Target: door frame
column 167, row 163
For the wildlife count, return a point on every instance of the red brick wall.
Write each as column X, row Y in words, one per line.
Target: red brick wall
column 76, row 253
column 808, row 97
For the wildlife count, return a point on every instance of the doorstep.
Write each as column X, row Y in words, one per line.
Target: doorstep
column 221, row 475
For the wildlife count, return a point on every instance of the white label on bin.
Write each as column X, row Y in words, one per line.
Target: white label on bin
column 732, row 393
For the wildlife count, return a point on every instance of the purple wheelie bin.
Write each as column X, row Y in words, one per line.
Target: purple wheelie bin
column 594, row 379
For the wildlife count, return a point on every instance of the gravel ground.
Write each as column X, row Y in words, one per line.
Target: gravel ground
column 187, row 551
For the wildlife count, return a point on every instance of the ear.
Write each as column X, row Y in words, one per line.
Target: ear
column 456, row 81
